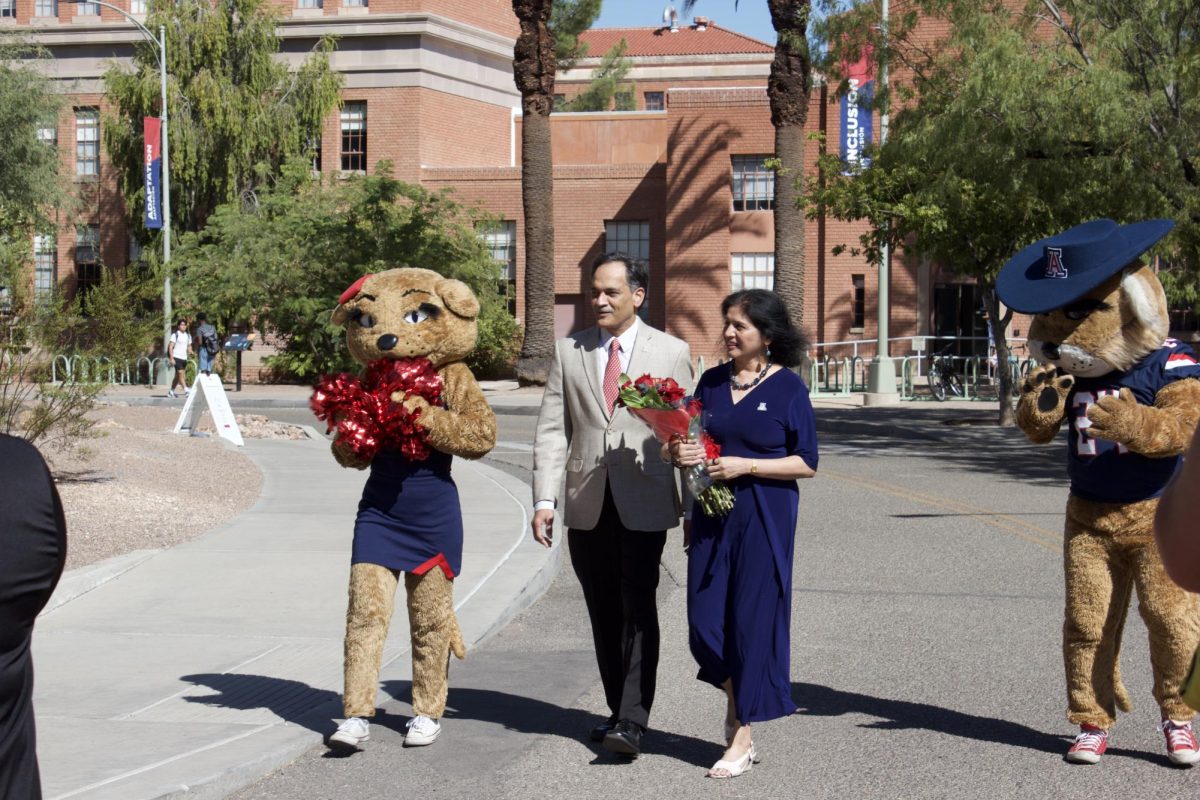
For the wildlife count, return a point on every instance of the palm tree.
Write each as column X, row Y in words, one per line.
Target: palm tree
column 534, row 66
column 788, row 89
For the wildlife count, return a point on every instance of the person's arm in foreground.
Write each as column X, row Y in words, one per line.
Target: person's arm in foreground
column 1176, row 525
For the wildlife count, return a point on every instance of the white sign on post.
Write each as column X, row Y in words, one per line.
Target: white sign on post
column 207, row 392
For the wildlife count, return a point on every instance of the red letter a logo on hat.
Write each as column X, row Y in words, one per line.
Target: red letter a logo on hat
column 1054, row 263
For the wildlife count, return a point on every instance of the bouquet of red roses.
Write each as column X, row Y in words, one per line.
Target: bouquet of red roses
column 366, row 419
column 662, row 404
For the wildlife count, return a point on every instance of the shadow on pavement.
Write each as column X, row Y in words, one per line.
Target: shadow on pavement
column 823, row 701
column 533, row 716
column 319, row 710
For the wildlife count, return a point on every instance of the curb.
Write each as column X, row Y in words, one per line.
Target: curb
column 78, row 582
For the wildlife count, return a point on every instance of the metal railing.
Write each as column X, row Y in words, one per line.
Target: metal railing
column 841, row 374
column 128, row 372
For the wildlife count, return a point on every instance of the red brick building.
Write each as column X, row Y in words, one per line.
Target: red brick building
column 428, row 86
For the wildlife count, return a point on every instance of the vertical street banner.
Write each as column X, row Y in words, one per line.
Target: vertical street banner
column 152, row 149
column 856, row 114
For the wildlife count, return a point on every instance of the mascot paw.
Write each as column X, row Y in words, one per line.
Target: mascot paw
column 1114, row 418
column 1047, row 388
column 347, row 458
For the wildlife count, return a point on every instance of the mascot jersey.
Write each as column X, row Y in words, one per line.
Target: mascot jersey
column 1104, row 471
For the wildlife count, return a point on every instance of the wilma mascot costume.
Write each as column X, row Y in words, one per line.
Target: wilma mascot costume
column 1130, row 397
column 416, row 406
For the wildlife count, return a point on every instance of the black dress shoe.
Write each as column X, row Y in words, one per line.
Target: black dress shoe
column 624, row 739
column 598, row 733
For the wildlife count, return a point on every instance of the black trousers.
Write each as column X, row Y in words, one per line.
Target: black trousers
column 618, row 569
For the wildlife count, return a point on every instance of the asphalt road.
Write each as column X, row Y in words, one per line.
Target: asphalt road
column 925, row 654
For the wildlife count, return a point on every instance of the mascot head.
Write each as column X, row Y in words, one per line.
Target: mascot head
column 405, row 313
column 1096, row 308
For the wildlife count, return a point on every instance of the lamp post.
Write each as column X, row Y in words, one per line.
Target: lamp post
column 164, row 370
column 881, row 378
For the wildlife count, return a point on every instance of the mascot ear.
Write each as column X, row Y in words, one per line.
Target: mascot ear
column 1145, row 297
column 459, row 298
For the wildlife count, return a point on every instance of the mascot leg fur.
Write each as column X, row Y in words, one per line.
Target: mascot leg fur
column 372, row 596
column 435, row 635
column 1110, row 549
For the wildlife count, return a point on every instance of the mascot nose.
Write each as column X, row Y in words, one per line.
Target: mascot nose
column 1048, row 349
column 386, row 342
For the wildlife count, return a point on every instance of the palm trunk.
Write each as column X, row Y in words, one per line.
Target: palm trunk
column 534, row 65
column 788, row 89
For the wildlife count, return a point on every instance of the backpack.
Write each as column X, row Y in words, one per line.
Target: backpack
column 208, row 340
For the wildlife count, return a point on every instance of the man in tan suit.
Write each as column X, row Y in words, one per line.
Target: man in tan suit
column 620, row 496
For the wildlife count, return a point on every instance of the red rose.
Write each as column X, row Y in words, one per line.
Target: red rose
column 693, row 407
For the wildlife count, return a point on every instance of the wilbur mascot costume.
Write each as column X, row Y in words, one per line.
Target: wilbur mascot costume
column 1131, row 399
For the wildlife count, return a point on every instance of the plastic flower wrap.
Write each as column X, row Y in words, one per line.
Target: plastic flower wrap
column 366, row 419
column 664, row 407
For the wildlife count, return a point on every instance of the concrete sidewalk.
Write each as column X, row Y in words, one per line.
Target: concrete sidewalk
column 200, row 668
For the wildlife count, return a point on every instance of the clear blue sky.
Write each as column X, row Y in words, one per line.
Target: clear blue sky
column 750, row 18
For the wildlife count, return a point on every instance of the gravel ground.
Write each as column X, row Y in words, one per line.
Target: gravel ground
column 143, row 487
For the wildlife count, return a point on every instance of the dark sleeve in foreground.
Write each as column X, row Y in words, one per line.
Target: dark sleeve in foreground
column 33, row 547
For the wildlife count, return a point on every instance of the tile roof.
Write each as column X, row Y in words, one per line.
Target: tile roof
column 686, row 41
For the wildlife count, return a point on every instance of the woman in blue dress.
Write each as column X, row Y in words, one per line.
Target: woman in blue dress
column 740, row 565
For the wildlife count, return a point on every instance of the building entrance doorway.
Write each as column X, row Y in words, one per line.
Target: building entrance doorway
column 958, row 316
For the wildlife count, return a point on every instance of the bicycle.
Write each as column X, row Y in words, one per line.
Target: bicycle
column 944, row 377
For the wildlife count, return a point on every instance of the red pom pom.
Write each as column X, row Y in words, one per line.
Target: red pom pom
column 366, row 418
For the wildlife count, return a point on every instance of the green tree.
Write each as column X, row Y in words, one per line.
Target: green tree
column 281, row 264
column 608, row 88
column 1153, row 44
column 1000, row 140
column 30, row 187
column 234, row 106
column 568, row 19
column 534, row 66
column 789, row 87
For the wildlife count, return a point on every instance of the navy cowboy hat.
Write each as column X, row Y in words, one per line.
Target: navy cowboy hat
column 1062, row 268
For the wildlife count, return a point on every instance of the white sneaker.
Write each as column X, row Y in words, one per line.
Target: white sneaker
column 351, row 733
column 421, row 731
column 186, row 392
column 171, row 393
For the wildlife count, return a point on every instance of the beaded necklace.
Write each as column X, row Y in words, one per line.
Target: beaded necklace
column 741, row 387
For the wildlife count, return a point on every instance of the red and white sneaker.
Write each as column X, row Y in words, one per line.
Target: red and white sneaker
column 1089, row 745
column 1181, row 742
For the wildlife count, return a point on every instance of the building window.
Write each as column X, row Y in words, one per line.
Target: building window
column 45, row 8
column 137, row 6
column 858, row 304
column 624, row 101
column 45, row 264
column 354, row 137
column 753, row 184
column 560, row 102
column 311, row 4
column 86, row 9
column 8, row 8
column 87, row 141
column 752, row 271
column 48, row 134
column 630, row 238
column 135, row 250
column 87, row 260
column 354, row 3
column 655, row 101
column 501, row 241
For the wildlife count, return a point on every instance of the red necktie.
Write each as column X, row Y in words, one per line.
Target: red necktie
column 612, row 374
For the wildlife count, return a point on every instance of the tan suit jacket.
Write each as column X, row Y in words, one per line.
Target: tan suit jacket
column 577, row 437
